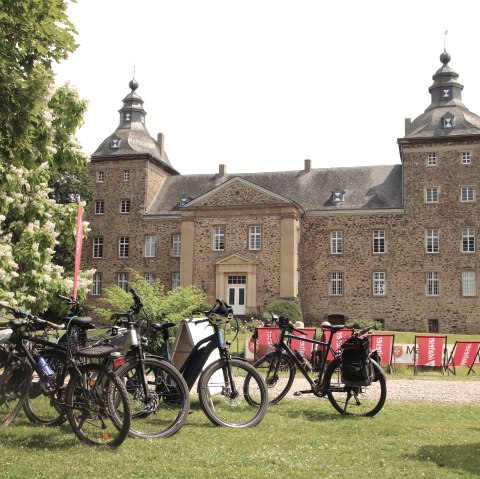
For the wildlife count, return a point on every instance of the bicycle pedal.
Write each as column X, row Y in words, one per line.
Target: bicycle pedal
column 297, row 393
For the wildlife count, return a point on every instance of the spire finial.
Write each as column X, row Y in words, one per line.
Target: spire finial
column 445, row 40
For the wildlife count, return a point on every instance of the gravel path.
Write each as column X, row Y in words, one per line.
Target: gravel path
column 438, row 391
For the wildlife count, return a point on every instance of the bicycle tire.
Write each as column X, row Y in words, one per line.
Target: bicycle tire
column 14, row 384
column 355, row 400
column 44, row 408
column 221, row 406
column 278, row 370
column 167, row 408
column 99, row 414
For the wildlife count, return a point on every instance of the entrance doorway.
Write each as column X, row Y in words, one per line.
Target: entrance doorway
column 236, row 291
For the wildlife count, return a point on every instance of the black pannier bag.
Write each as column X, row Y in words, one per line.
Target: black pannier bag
column 356, row 369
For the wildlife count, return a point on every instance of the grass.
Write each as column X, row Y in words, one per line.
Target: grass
column 296, row 439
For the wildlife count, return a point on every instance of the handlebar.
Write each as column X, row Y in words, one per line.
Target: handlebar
column 30, row 317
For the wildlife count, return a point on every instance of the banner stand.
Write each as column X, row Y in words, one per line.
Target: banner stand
column 464, row 353
column 430, row 351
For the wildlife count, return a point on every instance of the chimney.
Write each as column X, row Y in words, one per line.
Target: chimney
column 408, row 124
column 308, row 165
column 161, row 142
column 222, row 171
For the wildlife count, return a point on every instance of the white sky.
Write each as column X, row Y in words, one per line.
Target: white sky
column 261, row 85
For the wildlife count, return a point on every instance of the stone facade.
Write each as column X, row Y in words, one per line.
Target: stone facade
column 397, row 244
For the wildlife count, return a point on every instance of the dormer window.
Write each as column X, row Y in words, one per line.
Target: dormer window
column 115, row 143
column 337, row 196
column 127, row 117
column 446, row 93
column 448, row 121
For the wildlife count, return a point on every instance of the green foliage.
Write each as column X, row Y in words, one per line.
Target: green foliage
column 361, row 324
column 284, row 306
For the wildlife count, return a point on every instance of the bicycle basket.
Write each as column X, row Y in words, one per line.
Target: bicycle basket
column 80, row 345
column 356, row 368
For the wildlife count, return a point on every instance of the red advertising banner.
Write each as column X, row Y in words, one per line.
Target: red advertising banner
column 464, row 353
column 338, row 339
column 78, row 251
column 430, row 350
column 383, row 343
column 300, row 344
column 266, row 338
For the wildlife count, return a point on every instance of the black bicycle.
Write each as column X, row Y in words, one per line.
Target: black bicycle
column 353, row 381
column 94, row 400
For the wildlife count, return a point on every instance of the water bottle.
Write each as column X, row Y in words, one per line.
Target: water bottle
column 46, row 369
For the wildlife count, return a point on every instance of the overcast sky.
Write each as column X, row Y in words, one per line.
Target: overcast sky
column 261, row 85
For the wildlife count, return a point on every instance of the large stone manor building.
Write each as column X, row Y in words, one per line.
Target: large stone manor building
column 396, row 243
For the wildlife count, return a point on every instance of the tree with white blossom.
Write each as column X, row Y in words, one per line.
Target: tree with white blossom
column 37, row 128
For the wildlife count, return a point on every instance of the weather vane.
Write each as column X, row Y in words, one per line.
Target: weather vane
column 445, row 40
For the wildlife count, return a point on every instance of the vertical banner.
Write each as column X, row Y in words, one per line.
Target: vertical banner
column 301, row 345
column 266, row 338
column 430, row 351
column 338, row 339
column 383, row 343
column 78, row 250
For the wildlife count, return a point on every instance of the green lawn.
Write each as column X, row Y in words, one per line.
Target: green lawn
column 296, row 439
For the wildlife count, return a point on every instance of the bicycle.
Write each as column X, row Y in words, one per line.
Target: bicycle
column 231, row 392
column 362, row 395
column 94, row 399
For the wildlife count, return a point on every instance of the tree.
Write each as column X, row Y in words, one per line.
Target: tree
column 284, row 306
column 37, row 127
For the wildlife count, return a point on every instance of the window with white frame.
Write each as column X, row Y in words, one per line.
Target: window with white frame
column 466, row 158
column 98, row 247
column 97, row 285
column 122, row 281
column 432, row 159
column 469, row 283
column 99, row 207
column 336, row 242
column 150, row 246
column 431, row 194
column 467, row 194
column 176, row 245
column 432, row 240
column 379, row 283
column 378, row 241
column 100, row 177
column 255, row 238
column 175, row 280
column 149, row 277
column 123, row 246
column 219, row 238
column 125, row 206
column 433, row 283
column 468, row 240
column 126, row 175
column 336, row 283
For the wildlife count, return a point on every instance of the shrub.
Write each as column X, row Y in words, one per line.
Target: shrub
column 284, row 306
column 361, row 324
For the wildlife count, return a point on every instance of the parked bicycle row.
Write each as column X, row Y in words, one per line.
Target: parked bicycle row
column 109, row 386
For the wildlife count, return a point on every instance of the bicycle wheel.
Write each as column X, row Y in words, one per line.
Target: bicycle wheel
column 14, row 383
column 40, row 406
column 165, row 409
column 355, row 400
column 278, row 370
column 232, row 393
column 97, row 406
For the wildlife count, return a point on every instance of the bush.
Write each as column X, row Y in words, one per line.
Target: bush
column 361, row 324
column 284, row 306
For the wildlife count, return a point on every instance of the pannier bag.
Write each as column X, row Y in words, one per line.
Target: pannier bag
column 356, row 368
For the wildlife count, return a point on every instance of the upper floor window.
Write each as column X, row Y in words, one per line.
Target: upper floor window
column 468, row 240
column 467, row 194
column 431, row 194
column 379, row 283
column 255, row 238
column 432, row 159
column 125, row 206
column 97, row 284
column 469, row 283
column 122, row 281
column 175, row 280
column 149, row 277
column 99, row 207
column 466, row 158
column 100, row 176
column 432, row 240
column 123, row 246
column 336, row 242
column 219, row 238
column 176, row 245
column 149, row 246
column 433, row 283
column 126, row 175
column 379, row 241
column 336, row 283
column 98, row 247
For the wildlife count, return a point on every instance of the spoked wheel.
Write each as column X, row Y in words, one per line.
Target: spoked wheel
column 14, row 383
column 41, row 406
column 278, row 370
column 97, row 406
column 233, row 394
column 165, row 408
column 355, row 400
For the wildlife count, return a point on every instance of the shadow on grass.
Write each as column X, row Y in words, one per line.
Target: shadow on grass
column 455, row 456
